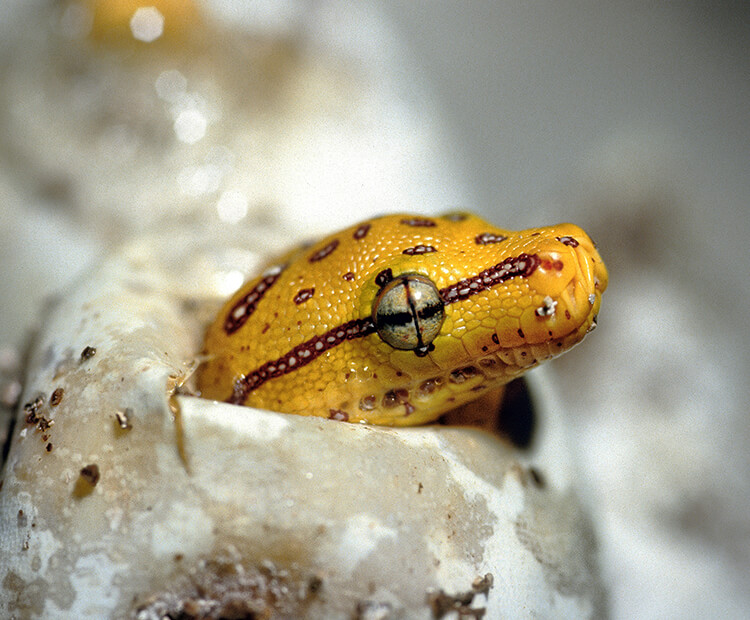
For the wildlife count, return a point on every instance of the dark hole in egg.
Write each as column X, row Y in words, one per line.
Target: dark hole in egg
column 512, row 416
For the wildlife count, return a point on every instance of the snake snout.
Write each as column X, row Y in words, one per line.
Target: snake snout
column 569, row 280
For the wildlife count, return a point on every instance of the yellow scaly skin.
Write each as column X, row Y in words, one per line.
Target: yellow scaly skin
column 489, row 335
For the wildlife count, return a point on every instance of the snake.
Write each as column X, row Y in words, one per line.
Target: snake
column 399, row 319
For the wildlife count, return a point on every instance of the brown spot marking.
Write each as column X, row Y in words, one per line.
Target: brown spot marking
column 495, row 339
column 367, row 403
column 520, row 333
column 487, row 238
column 348, row 276
column 56, row 397
column 303, row 295
column 361, row 232
column 522, row 266
column 87, row 353
column 324, row 251
column 419, row 249
column 299, row 356
column 567, row 314
column 549, row 265
column 384, row 277
column 88, row 478
column 573, row 243
column 246, row 305
column 430, row 386
column 463, row 374
column 48, row 447
column 32, row 410
column 44, row 424
column 33, row 416
column 338, row 414
column 394, row 398
column 91, row 474
column 419, row 222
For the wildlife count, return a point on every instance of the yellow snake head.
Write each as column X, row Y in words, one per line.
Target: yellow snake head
column 401, row 318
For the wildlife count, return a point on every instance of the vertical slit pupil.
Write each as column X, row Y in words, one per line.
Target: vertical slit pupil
column 414, row 314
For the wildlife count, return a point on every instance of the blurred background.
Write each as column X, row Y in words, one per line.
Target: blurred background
column 628, row 118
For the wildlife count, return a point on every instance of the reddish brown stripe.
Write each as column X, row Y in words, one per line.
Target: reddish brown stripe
column 419, row 222
column 419, row 249
column 299, row 356
column 361, row 232
column 486, row 238
column 323, row 252
column 573, row 243
column 303, row 295
column 522, row 265
column 246, row 305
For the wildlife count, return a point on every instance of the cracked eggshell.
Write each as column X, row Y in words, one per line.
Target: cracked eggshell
column 299, row 516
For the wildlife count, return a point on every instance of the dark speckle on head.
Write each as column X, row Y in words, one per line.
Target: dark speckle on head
column 419, row 222
column 303, row 295
column 361, row 232
column 419, row 249
column 487, row 238
column 348, row 276
column 324, row 251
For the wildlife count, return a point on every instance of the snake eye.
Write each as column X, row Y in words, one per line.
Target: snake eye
column 408, row 313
